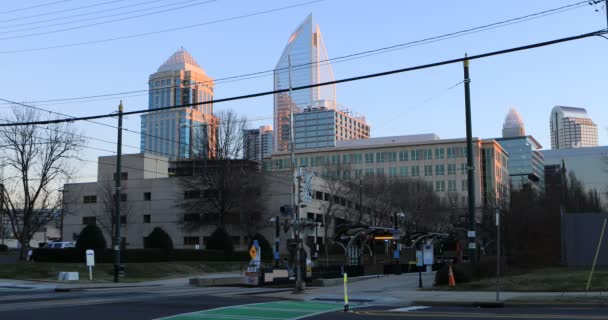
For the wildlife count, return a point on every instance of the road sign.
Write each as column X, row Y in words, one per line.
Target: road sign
column 428, row 254
column 471, row 233
column 253, row 252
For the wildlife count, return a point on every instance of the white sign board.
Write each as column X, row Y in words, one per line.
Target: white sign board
column 428, row 253
column 472, row 245
column 419, row 258
column 306, row 192
column 90, row 258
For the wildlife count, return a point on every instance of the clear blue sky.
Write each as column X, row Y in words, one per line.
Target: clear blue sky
column 533, row 81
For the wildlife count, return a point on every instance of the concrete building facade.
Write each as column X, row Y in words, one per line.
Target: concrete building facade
column 442, row 162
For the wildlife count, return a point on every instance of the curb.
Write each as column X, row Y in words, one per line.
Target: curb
column 474, row 304
column 337, row 281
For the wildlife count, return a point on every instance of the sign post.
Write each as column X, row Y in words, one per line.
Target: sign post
column 419, row 265
column 252, row 274
column 90, row 262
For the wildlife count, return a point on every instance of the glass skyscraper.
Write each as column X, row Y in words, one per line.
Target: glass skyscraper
column 572, row 128
column 181, row 133
column 309, row 65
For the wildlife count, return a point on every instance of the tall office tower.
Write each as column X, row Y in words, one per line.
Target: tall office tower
column 187, row 132
column 306, row 50
column 513, row 125
column 257, row 143
column 572, row 128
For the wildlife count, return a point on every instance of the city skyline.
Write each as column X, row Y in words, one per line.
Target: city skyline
column 533, row 81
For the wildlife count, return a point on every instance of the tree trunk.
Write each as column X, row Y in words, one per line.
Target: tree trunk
column 24, row 247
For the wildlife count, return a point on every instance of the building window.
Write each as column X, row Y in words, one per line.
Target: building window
column 392, row 156
column 123, row 220
column 392, row 171
column 428, row 170
column 147, row 218
column 190, row 241
column 89, row 199
column 451, row 152
column 403, row 171
column 147, row 196
column 440, row 186
column 416, row 154
column 90, row 220
column 403, row 155
column 415, row 171
column 369, row 158
column 123, row 197
column 452, row 185
column 451, row 169
column 439, row 170
column 379, row 156
column 123, row 176
column 192, row 194
column 428, row 154
column 439, row 153
column 379, row 171
column 464, row 185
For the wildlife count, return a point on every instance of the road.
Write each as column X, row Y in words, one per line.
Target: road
column 180, row 302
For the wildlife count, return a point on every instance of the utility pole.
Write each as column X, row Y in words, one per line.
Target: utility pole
column 497, row 253
column 117, row 199
column 295, row 205
column 470, row 166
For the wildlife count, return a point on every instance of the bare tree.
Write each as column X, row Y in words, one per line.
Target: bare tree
column 37, row 160
column 228, row 190
column 337, row 194
column 107, row 214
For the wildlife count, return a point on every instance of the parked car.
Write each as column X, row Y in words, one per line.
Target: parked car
column 61, row 245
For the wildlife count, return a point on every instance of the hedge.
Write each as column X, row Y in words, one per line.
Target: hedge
column 3, row 248
column 137, row 255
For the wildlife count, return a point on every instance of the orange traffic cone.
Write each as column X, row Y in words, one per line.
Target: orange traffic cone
column 451, row 281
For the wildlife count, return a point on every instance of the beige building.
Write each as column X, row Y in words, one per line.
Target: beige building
column 441, row 162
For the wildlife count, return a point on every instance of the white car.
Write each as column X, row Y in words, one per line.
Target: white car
column 60, row 245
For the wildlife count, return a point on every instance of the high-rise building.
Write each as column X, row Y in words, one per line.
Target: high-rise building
column 185, row 132
column 572, row 128
column 526, row 164
column 257, row 143
column 513, row 125
column 304, row 61
column 320, row 127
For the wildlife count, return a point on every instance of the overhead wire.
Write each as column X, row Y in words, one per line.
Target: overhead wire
column 258, row 13
column 365, row 53
column 33, row 7
column 345, row 80
column 197, row 3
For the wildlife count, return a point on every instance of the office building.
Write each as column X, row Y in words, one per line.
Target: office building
column 589, row 165
column 513, row 125
column 572, row 128
column 257, row 143
column 526, row 164
column 186, row 132
column 320, row 127
column 441, row 162
column 304, row 62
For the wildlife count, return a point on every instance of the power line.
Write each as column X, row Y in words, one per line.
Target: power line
column 165, row 30
column 366, row 53
column 351, row 79
column 34, row 6
column 65, row 10
column 104, row 22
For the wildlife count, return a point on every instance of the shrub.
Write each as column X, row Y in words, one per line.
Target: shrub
column 3, row 248
column 220, row 240
column 463, row 272
column 91, row 238
column 267, row 253
column 158, row 239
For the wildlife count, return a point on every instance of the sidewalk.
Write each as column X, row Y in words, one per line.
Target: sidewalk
column 85, row 284
column 403, row 290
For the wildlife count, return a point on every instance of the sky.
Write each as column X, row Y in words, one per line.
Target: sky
column 234, row 37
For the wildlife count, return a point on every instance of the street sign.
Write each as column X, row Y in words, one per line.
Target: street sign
column 90, row 258
column 253, row 252
column 428, row 253
column 471, row 233
column 472, row 245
